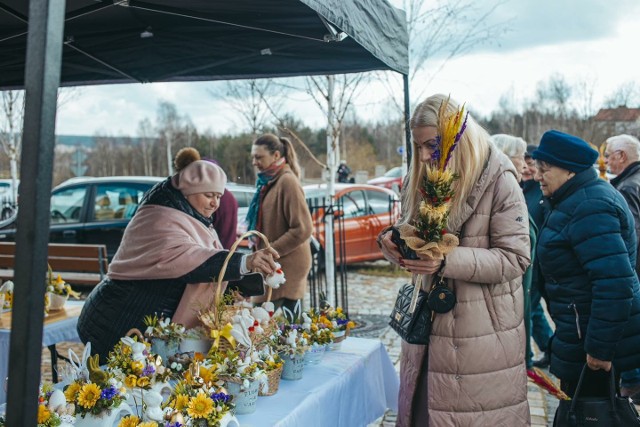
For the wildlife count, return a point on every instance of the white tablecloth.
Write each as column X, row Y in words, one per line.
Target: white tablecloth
column 351, row 387
column 53, row 333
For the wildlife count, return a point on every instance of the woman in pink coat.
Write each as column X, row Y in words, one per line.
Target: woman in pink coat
column 472, row 373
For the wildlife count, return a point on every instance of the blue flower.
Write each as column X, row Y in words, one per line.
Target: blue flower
column 108, row 393
column 148, row 370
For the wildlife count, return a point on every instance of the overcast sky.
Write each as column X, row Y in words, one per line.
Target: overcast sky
column 595, row 41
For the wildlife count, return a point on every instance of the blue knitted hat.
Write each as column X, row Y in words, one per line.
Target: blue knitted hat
column 565, row 151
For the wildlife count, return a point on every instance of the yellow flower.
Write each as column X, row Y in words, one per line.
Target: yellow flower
column 137, row 367
column 71, row 391
column 126, row 350
column 208, row 375
column 143, row 382
column 43, row 414
column 89, row 395
column 182, row 400
column 148, row 424
column 130, row 381
column 339, row 310
column 200, row 406
column 129, row 421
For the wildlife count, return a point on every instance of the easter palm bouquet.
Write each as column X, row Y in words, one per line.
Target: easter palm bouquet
column 428, row 234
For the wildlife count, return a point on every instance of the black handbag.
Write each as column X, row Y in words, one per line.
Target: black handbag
column 415, row 327
column 608, row 411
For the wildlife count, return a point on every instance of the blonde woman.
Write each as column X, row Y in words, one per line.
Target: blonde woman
column 473, row 372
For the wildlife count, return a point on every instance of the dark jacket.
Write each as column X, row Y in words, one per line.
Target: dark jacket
column 115, row 306
column 225, row 219
column 587, row 253
column 628, row 184
column 537, row 212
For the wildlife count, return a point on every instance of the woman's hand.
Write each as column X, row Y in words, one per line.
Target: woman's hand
column 422, row 266
column 263, row 261
column 597, row 364
column 389, row 249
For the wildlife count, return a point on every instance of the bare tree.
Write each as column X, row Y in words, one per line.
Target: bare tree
column 146, row 139
column 255, row 101
column 625, row 95
column 11, row 123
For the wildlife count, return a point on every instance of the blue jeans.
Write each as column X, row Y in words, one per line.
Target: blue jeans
column 630, row 378
column 540, row 329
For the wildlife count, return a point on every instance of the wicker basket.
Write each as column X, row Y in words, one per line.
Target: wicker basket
column 273, row 378
column 216, row 321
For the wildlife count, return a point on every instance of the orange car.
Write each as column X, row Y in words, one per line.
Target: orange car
column 361, row 211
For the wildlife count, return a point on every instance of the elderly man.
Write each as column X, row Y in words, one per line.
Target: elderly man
column 622, row 157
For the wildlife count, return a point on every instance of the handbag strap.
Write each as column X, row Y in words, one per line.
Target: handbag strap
column 416, row 292
column 612, row 391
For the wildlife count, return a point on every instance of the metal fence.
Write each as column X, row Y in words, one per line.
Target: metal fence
column 320, row 208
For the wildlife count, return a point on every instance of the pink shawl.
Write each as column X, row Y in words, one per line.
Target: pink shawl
column 165, row 243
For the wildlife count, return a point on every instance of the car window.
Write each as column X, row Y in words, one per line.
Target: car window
column 242, row 196
column 117, row 201
column 379, row 202
column 353, row 204
column 66, row 205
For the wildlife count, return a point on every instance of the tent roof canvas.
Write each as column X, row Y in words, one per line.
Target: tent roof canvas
column 126, row 41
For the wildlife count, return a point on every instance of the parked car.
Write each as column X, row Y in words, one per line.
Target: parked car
column 391, row 179
column 243, row 194
column 7, row 202
column 93, row 210
column 97, row 210
column 362, row 212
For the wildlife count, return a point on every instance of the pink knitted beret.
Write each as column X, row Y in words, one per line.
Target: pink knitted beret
column 200, row 176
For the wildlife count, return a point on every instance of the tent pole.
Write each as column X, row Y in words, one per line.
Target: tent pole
column 42, row 78
column 332, row 151
column 407, row 116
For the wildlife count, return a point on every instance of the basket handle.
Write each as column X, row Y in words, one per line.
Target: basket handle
column 136, row 332
column 231, row 252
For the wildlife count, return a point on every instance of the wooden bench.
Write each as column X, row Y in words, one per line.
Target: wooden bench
column 77, row 264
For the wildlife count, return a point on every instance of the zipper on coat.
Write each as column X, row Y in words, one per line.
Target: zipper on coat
column 575, row 310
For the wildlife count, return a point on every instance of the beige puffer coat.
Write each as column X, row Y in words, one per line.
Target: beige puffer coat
column 476, row 370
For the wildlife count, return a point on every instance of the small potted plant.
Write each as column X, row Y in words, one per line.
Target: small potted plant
column 198, row 400
column 98, row 400
column 195, row 340
column 318, row 335
column 272, row 364
column 338, row 321
column 164, row 335
column 289, row 341
column 242, row 375
column 58, row 292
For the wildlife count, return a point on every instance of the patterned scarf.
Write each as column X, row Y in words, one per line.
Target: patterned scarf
column 263, row 179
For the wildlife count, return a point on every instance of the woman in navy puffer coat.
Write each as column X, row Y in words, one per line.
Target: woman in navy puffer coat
column 587, row 254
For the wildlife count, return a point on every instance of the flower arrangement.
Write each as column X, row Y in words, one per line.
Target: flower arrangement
column 134, row 421
column 163, row 328
column 269, row 360
column 6, row 291
column 60, row 287
column 100, row 393
column 318, row 329
column 53, row 410
column 196, row 401
column 235, row 366
column 428, row 235
column 335, row 319
column 131, row 363
column 289, row 340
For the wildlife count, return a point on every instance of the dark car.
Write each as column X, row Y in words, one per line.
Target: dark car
column 92, row 210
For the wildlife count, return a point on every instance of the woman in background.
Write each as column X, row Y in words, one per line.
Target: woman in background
column 279, row 211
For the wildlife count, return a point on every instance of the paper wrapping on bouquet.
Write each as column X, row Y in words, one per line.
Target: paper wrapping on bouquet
column 435, row 250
